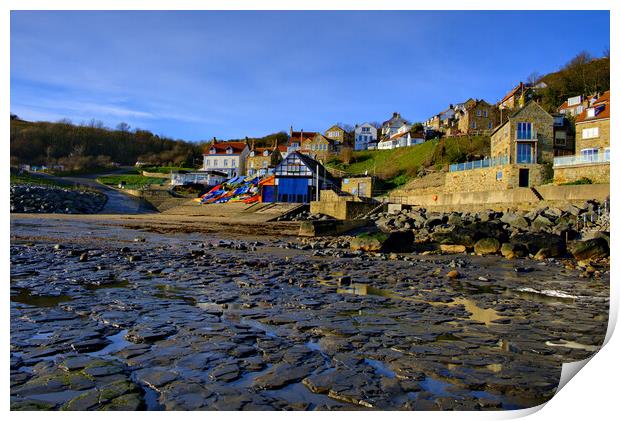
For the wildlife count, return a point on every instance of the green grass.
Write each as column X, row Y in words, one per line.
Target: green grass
column 132, row 181
column 37, row 180
column 395, row 167
column 583, row 180
column 166, row 170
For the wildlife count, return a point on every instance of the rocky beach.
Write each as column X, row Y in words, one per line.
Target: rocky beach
column 105, row 315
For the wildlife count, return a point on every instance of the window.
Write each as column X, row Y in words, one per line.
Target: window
column 473, row 124
column 579, row 110
column 591, row 112
column 499, row 175
column 524, row 153
column 589, row 154
column 524, row 130
column 226, row 162
column 590, row 133
column 215, row 162
column 264, row 164
column 208, row 162
column 486, row 113
column 574, row 101
column 490, row 125
column 479, row 113
column 560, row 138
column 607, row 154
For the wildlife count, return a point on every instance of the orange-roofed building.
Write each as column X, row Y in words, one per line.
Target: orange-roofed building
column 227, row 157
column 592, row 145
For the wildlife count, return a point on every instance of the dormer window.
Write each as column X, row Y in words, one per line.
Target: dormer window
column 212, row 150
column 265, row 153
column 229, row 150
column 591, row 112
column 252, row 153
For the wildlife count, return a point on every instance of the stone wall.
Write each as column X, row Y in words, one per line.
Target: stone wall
column 358, row 186
column 501, row 200
column 601, row 142
column 342, row 209
column 156, row 174
column 502, row 177
column 598, row 173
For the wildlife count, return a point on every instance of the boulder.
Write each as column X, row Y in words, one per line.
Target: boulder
column 397, row 241
column 533, row 242
column 452, row 248
column 515, row 220
column 594, row 248
column 541, row 223
column 467, row 235
column 487, row 246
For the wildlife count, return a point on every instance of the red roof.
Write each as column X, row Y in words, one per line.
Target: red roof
column 511, row 93
column 221, row 147
column 602, row 105
column 282, row 148
column 297, row 136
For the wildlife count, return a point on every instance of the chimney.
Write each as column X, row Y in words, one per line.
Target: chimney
column 451, row 106
column 214, row 140
column 291, row 131
column 395, row 115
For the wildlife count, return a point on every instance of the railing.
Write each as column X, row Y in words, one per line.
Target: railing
column 566, row 161
column 531, row 135
column 482, row 163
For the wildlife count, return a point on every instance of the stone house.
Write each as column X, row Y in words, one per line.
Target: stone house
column 364, row 134
column 226, row 157
column 262, row 161
column 339, row 135
column 526, row 137
column 575, row 105
column 592, row 146
column 477, row 116
column 524, row 142
column 593, row 129
column 296, row 139
column 318, row 147
column 517, row 97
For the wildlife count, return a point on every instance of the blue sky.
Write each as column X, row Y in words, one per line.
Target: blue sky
column 194, row 75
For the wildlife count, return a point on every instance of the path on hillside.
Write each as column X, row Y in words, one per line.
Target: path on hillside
column 118, row 202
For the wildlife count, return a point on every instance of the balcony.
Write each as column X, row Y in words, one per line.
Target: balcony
column 482, row 163
column 527, row 135
column 569, row 161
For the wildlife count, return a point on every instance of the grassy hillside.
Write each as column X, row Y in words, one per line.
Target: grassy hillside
column 398, row 166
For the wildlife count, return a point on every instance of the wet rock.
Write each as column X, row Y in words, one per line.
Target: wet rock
column 487, row 246
column 149, row 333
column 535, row 241
column 452, row 248
column 595, row 248
column 282, row 374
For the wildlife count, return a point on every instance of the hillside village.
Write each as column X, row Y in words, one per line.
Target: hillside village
column 528, row 147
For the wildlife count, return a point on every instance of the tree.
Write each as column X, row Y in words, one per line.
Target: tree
column 346, row 154
column 123, row 127
column 14, row 117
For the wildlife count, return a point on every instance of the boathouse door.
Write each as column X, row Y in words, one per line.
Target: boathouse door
column 524, row 177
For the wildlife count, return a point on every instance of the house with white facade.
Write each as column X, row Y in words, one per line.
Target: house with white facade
column 226, row 157
column 391, row 126
column 365, row 134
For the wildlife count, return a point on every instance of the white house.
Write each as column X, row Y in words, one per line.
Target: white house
column 391, row 126
column 226, row 157
column 364, row 134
